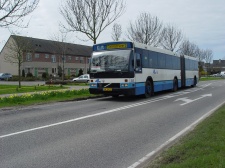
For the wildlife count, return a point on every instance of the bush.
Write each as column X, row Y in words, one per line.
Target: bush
column 44, row 75
column 80, row 72
column 29, row 79
column 29, row 74
column 55, row 82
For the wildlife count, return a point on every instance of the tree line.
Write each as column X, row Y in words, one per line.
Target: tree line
column 149, row 30
column 91, row 17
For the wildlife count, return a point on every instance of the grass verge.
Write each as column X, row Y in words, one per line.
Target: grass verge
column 44, row 97
column 12, row 89
column 210, row 78
column 203, row 147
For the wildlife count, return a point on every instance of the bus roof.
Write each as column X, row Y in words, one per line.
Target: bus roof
column 148, row 47
column 131, row 45
column 190, row 57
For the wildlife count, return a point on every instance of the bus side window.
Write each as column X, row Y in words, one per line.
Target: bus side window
column 138, row 60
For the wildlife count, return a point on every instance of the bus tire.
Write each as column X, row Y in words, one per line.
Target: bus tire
column 195, row 81
column 175, row 85
column 115, row 96
column 148, row 89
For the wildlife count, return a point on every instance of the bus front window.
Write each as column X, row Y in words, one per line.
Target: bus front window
column 106, row 61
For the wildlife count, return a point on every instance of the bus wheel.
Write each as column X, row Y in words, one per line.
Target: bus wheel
column 148, row 89
column 195, row 82
column 115, row 96
column 175, row 85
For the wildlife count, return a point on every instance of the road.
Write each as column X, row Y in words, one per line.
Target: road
column 100, row 133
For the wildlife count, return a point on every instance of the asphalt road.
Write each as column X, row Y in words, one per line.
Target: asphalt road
column 100, row 133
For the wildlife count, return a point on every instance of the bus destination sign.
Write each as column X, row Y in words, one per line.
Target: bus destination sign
column 115, row 46
column 111, row 46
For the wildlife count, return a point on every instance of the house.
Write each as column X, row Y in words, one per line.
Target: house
column 39, row 56
column 218, row 66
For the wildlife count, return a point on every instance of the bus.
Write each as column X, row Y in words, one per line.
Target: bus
column 130, row 68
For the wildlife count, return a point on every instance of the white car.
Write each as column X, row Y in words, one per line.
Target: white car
column 216, row 75
column 5, row 76
column 222, row 74
column 83, row 78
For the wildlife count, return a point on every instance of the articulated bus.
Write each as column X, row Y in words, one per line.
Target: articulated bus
column 130, row 68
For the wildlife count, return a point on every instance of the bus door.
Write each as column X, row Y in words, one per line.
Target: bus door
column 182, row 73
column 138, row 63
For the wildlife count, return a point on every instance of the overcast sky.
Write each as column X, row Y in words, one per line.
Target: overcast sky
column 201, row 21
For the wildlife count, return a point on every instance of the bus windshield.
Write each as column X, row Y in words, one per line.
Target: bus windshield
column 106, row 61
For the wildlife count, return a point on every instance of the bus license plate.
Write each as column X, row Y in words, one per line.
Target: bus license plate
column 107, row 89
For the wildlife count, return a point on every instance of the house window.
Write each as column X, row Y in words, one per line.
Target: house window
column 77, row 58
column 64, row 58
column 53, row 58
column 29, row 57
column 36, row 55
column 89, row 59
column 81, row 59
column 69, row 58
column 46, row 55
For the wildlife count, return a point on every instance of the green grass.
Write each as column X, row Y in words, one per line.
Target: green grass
column 44, row 97
column 13, row 89
column 203, row 147
column 77, row 84
column 210, row 78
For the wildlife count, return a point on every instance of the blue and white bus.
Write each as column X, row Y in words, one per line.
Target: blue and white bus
column 130, row 68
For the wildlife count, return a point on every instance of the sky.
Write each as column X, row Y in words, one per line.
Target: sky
column 201, row 22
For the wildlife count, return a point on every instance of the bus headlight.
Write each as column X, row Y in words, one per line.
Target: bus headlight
column 93, row 85
column 124, row 85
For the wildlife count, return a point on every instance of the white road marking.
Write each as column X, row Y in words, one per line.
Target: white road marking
column 187, row 101
column 101, row 113
column 178, row 135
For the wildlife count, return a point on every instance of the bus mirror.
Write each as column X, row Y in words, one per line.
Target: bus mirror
column 132, row 63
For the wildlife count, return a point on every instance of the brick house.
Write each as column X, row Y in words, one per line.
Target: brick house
column 218, row 66
column 41, row 56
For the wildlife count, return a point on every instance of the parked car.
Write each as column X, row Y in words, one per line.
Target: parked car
column 5, row 76
column 83, row 78
column 222, row 74
column 216, row 75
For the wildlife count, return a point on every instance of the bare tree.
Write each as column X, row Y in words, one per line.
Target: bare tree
column 12, row 11
column 199, row 54
column 59, row 41
column 188, row 48
column 146, row 29
column 91, row 17
column 208, row 56
column 116, row 32
column 170, row 37
column 17, row 49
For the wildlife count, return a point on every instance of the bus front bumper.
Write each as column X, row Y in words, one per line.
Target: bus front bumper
column 113, row 91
